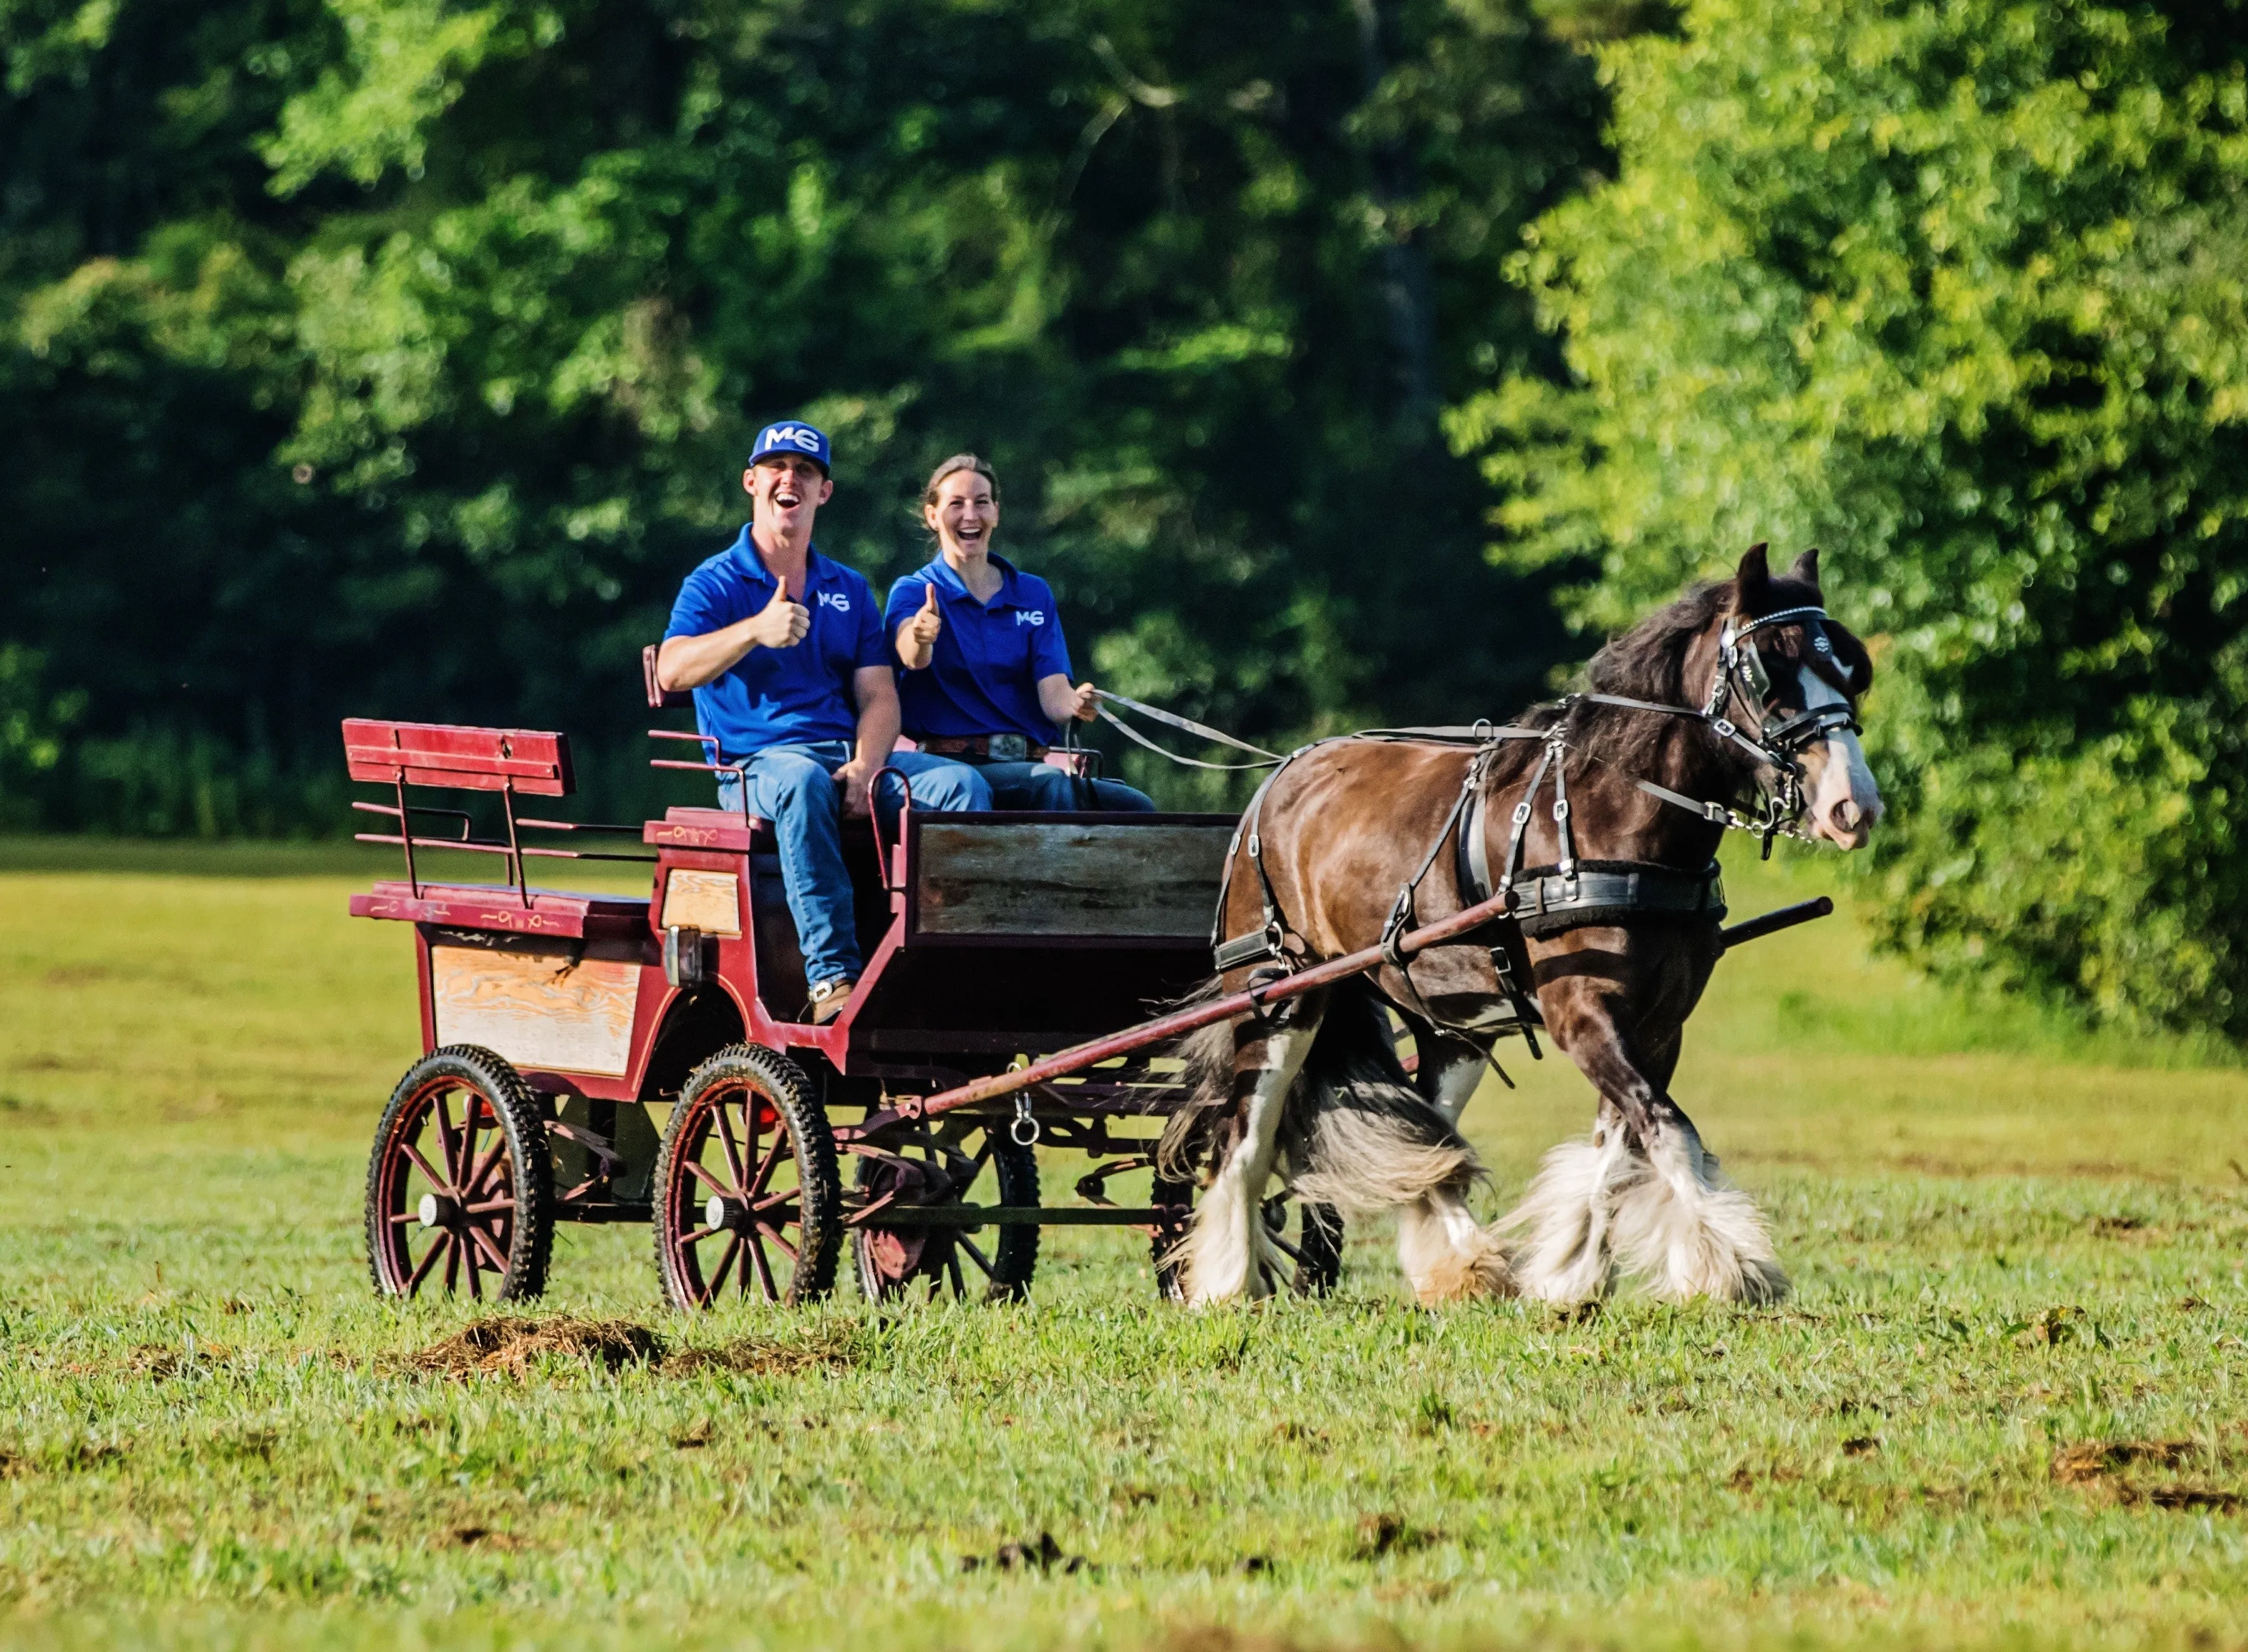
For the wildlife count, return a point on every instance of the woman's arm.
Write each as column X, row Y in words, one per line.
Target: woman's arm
column 917, row 643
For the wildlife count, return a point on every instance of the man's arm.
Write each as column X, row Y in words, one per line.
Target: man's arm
column 877, row 693
column 688, row 662
column 1060, row 703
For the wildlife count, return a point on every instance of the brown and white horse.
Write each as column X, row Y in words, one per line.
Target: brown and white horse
column 1314, row 1091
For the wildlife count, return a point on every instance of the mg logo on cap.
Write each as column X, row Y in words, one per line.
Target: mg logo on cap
column 796, row 436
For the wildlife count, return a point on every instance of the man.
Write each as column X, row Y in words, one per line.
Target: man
column 784, row 650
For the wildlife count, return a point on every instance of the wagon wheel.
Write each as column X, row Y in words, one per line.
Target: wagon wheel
column 890, row 1259
column 1313, row 1255
column 747, row 1191
column 459, row 1184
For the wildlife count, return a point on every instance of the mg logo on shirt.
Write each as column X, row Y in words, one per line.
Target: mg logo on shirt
column 1029, row 616
column 839, row 600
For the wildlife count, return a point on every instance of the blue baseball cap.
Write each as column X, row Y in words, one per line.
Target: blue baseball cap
column 792, row 435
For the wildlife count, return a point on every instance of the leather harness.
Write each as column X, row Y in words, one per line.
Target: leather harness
column 1547, row 900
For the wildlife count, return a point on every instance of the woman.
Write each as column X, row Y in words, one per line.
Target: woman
column 985, row 674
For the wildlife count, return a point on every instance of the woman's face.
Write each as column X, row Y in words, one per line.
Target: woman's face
column 965, row 514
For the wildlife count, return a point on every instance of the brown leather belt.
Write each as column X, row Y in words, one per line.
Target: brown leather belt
column 993, row 748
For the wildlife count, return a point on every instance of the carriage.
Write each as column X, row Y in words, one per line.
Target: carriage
column 646, row 1059
column 604, row 1057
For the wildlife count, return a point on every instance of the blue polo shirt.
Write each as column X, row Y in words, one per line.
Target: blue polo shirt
column 780, row 697
column 989, row 657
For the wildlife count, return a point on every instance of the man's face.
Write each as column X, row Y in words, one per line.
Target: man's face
column 787, row 491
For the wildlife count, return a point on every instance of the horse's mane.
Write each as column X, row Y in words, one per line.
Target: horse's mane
column 1649, row 661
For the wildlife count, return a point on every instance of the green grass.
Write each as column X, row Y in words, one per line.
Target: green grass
column 2010, row 1238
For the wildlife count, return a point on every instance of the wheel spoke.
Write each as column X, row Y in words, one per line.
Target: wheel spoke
column 952, row 1273
column 707, row 1180
column 726, row 1267
column 484, row 1167
column 726, row 1136
column 449, row 1142
column 773, row 1233
column 701, row 1234
column 777, row 1201
column 467, row 1182
column 772, row 1161
column 422, row 1164
column 452, row 1262
column 483, row 1242
column 438, row 1247
column 764, row 1268
column 974, row 1255
column 403, row 1217
column 491, row 1206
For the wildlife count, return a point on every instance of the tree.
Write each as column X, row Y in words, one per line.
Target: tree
column 433, row 334
column 1953, row 290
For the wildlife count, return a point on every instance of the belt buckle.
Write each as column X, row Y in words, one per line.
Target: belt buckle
column 1010, row 748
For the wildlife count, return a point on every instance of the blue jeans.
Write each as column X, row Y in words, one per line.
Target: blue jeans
column 1049, row 789
column 793, row 787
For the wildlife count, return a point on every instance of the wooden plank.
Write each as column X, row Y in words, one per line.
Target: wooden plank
column 446, row 754
column 710, row 902
column 539, row 1009
column 1059, row 878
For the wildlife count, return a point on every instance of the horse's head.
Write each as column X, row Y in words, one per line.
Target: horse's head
column 1795, row 678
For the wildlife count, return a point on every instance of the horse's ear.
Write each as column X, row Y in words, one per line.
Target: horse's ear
column 1806, row 568
column 1753, row 575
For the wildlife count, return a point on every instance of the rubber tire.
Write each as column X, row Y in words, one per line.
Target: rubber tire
column 522, row 1121
column 819, row 1179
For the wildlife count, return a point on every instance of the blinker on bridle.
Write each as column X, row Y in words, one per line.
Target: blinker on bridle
column 1740, row 665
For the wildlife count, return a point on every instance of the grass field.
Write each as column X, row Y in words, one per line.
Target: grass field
column 2007, row 1405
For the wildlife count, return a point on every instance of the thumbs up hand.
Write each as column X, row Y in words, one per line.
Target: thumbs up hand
column 917, row 636
column 783, row 624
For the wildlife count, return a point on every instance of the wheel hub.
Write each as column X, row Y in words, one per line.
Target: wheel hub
column 437, row 1210
column 719, row 1211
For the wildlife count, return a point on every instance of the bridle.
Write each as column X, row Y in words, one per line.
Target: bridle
column 1775, row 748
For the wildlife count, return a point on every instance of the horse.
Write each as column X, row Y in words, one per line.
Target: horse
column 1615, row 892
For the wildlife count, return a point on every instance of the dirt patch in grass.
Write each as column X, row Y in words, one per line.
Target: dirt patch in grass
column 511, row 1347
column 830, row 1350
column 2096, row 1460
column 2109, row 1465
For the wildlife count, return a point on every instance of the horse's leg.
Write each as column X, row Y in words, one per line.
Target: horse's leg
column 1444, row 1250
column 1644, row 1187
column 1227, row 1252
column 1450, row 1068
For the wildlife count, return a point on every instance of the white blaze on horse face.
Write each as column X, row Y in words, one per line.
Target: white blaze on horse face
column 1844, row 802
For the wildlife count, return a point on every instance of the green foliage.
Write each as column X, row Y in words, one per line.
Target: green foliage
column 1955, row 291
column 398, row 357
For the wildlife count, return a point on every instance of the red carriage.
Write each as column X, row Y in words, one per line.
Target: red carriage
column 645, row 1057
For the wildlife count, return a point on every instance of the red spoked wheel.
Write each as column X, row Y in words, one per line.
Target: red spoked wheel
column 894, row 1255
column 459, row 1186
column 748, row 1196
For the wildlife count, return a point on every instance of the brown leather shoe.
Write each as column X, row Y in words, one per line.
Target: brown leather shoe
column 830, row 999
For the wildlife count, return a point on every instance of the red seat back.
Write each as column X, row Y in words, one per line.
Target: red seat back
column 659, row 697
column 445, row 754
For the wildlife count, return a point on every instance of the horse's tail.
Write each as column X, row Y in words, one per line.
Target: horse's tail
column 1355, row 1134
column 1190, row 1133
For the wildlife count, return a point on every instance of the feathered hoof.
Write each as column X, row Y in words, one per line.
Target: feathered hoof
column 1698, row 1240
column 1562, row 1255
column 1485, row 1271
